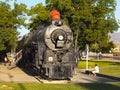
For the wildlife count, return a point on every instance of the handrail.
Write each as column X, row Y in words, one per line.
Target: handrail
column 17, row 58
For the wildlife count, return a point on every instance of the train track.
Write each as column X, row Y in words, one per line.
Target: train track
column 38, row 78
column 41, row 78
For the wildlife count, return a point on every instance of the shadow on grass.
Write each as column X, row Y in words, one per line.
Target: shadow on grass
column 100, row 86
column 80, row 86
column 21, row 86
column 115, row 63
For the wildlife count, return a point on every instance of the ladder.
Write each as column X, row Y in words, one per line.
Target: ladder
column 17, row 58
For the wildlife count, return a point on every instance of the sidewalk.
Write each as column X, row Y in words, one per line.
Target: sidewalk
column 14, row 75
column 81, row 77
column 17, row 75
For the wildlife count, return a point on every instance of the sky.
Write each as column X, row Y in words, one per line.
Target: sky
column 30, row 3
column 117, row 12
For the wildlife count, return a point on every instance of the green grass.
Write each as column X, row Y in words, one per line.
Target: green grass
column 106, row 67
column 81, row 86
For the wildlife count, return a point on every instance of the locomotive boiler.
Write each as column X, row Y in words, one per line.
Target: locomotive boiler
column 50, row 50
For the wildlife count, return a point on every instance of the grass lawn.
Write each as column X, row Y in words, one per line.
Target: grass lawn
column 82, row 86
column 106, row 67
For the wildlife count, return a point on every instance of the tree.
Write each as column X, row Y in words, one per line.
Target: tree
column 39, row 15
column 10, row 20
column 90, row 20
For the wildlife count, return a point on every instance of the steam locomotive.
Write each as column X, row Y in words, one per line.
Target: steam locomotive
column 50, row 50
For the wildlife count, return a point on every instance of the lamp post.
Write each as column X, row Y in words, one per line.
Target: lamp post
column 87, row 50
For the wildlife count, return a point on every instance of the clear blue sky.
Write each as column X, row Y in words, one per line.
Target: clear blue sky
column 117, row 12
column 30, row 3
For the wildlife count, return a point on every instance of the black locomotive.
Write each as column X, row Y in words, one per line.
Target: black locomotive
column 50, row 50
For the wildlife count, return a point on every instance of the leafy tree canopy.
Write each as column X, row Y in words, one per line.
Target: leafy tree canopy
column 90, row 20
column 39, row 16
column 10, row 20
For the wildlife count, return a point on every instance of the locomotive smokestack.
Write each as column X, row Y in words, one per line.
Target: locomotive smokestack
column 55, row 15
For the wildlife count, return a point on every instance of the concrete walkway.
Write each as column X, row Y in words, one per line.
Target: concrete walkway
column 84, row 78
column 14, row 75
column 17, row 75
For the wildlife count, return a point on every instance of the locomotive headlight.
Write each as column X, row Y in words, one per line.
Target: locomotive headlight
column 50, row 59
column 60, row 37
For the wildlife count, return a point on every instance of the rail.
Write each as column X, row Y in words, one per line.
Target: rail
column 18, row 56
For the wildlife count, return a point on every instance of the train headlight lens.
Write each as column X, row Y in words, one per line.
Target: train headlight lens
column 60, row 37
column 50, row 59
